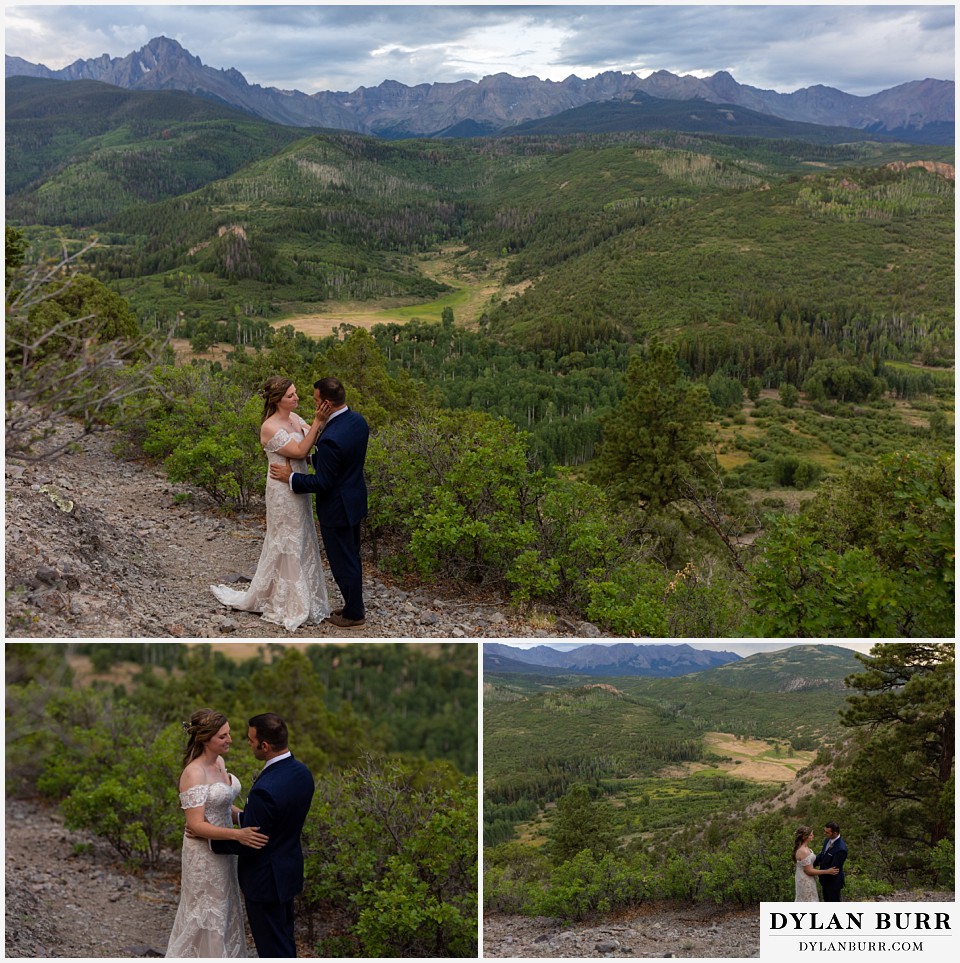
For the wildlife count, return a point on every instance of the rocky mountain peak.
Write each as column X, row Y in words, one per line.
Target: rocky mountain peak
column 500, row 100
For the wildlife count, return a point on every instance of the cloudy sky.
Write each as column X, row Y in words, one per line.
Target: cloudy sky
column 860, row 49
column 727, row 645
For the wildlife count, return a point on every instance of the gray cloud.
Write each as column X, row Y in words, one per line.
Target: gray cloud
column 859, row 49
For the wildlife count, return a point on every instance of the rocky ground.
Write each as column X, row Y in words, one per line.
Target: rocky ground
column 97, row 546
column 66, row 896
column 657, row 930
column 654, row 930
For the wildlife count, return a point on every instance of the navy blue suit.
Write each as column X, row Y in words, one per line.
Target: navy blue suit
column 271, row 877
column 341, row 501
column 826, row 859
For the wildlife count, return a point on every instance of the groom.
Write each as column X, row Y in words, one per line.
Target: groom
column 278, row 802
column 341, row 494
column 833, row 853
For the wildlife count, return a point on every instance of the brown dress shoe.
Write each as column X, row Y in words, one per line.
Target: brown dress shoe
column 343, row 622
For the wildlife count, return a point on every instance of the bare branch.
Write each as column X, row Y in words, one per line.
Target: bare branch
column 65, row 369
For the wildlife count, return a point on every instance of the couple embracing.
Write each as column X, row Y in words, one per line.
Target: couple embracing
column 827, row 865
column 289, row 587
column 226, row 850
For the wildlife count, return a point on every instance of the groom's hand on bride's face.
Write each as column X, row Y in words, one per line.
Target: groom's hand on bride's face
column 280, row 473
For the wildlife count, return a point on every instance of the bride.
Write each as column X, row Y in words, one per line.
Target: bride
column 289, row 587
column 804, row 875
column 209, row 921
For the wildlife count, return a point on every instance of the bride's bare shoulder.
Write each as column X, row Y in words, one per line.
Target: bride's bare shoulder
column 268, row 429
column 192, row 775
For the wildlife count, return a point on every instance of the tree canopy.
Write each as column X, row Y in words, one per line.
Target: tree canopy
column 903, row 775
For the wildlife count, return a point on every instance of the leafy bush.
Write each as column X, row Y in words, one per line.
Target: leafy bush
column 943, row 864
column 863, row 888
column 394, row 847
column 514, row 874
column 754, row 866
column 206, row 431
column 789, row 471
column 871, row 555
column 130, row 801
column 586, row 885
column 630, row 600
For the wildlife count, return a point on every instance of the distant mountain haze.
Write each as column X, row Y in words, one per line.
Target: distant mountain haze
column 624, row 658
column 920, row 111
column 797, row 668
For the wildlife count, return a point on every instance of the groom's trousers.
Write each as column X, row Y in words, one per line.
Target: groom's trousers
column 342, row 545
column 272, row 927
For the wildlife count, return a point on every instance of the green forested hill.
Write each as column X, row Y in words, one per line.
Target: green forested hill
column 623, row 295
column 824, row 257
column 644, row 112
column 78, row 152
column 792, row 693
column 670, row 228
column 793, row 669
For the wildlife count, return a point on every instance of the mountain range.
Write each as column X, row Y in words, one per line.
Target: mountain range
column 919, row 111
column 622, row 659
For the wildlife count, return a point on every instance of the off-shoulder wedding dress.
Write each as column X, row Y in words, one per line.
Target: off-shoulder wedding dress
column 805, row 887
column 209, row 921
column 289, row 587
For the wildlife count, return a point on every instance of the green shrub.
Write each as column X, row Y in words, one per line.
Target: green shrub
column 870, row 555
column 514, row 875
column 943, row 864
column 630, row 600
column 133, row 803
column 394, row 846
column 585, row 885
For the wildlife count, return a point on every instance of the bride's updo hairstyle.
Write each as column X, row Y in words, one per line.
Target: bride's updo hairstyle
column 272, row 392
column 204, row 724
column 799, row 838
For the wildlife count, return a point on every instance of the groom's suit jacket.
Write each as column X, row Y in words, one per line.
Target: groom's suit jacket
column 278, row 803
column 836, row 855
column 338, row 472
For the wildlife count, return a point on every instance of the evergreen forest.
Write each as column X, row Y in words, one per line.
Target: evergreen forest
column 602, row 794
column 675, row 384
column 388, row 730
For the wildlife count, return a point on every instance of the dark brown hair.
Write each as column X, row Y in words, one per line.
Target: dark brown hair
column 204, row 724
column 270, row 728
column 273, row 390
column 799, row 838
column 332, row 390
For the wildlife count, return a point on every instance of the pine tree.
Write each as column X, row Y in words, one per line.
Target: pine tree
column 653, row 441
column 904, row 771
column 582, row 823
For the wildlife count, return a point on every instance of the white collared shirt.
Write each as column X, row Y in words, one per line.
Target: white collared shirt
column 270, row 762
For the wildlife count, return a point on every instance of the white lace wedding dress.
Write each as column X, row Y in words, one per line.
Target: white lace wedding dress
column 289, row 587
column 805, row 887
column 209, row 921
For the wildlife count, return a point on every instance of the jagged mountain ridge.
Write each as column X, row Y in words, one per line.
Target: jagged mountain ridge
column 622, row 659
column 499, row 101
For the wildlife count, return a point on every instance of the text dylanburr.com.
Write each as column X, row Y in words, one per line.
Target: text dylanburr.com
column 870, row 931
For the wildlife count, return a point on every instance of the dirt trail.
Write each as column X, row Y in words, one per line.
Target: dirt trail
column 68, row 896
